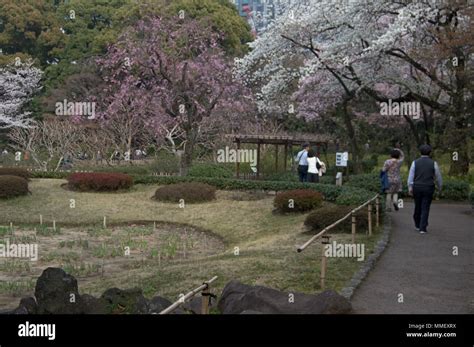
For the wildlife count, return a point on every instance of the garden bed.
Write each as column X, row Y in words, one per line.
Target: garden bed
column 252, row 244
column 95, row 255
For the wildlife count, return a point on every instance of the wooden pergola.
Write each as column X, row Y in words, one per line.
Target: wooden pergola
column 277, row 140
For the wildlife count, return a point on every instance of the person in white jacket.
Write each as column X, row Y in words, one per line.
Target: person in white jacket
column 313, row 172
column 316, row 168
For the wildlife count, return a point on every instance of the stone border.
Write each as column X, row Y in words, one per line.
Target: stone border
column 369, row 264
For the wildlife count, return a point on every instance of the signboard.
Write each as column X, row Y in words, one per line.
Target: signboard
column 342, row 158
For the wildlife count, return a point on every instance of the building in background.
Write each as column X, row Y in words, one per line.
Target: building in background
column 260, row 13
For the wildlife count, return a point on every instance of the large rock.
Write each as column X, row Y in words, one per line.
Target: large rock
column 237, row 298
column 27, row 306
column 56, row 292
column 194, row 305
column 158, row 304
column 93, row 305
column 126, row 301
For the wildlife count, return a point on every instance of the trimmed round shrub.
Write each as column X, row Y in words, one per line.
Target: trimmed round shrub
column 298, row 200
column 12, row 186
column 210, row 170
column 99, row 181
column 326, row 215
column 190, row 192
column 14, row 171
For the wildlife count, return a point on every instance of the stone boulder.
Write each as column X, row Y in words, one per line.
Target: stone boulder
column 237, row 298
column 126, row 301
column 56, row 292
column 194, row 305
column 93, row 305
column 158, row 304
column 27, row 306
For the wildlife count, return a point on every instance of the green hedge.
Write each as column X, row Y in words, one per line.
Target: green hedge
column 455, row 190
column 210, row 170
column 326, row 179
column 49, row 174
column 353, row 196
column 126, row 169
column 370, row 182
column 326, row 215
column 331, row 192
column 287, row 176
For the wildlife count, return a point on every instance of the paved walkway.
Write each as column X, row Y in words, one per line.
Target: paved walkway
column 423, row 267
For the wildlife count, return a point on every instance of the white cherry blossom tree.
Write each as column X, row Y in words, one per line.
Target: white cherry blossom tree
column 18, row 83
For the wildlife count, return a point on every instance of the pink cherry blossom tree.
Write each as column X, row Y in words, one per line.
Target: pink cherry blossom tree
column 171, row 72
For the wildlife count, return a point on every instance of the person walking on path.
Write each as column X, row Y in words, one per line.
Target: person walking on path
column 302, row 160
column 421, row 185
column 313, row 172
column 392, row 168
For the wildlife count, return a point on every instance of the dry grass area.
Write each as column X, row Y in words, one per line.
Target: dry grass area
column 234, row 237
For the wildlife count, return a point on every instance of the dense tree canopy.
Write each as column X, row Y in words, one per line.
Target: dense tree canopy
column 30, row 27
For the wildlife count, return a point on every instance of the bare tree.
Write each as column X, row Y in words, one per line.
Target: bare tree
column 47, row 141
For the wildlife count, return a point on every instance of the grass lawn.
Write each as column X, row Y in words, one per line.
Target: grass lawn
column 210, row 232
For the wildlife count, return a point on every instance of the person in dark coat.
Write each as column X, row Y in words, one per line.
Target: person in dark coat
column 424, row 172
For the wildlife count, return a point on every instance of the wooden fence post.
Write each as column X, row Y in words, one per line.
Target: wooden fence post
column 324, row 261
column 377, row 211
column 370, row 219
column 205, row 300
column 353, row 219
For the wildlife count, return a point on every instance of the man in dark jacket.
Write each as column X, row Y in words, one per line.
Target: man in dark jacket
column 421, row 185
